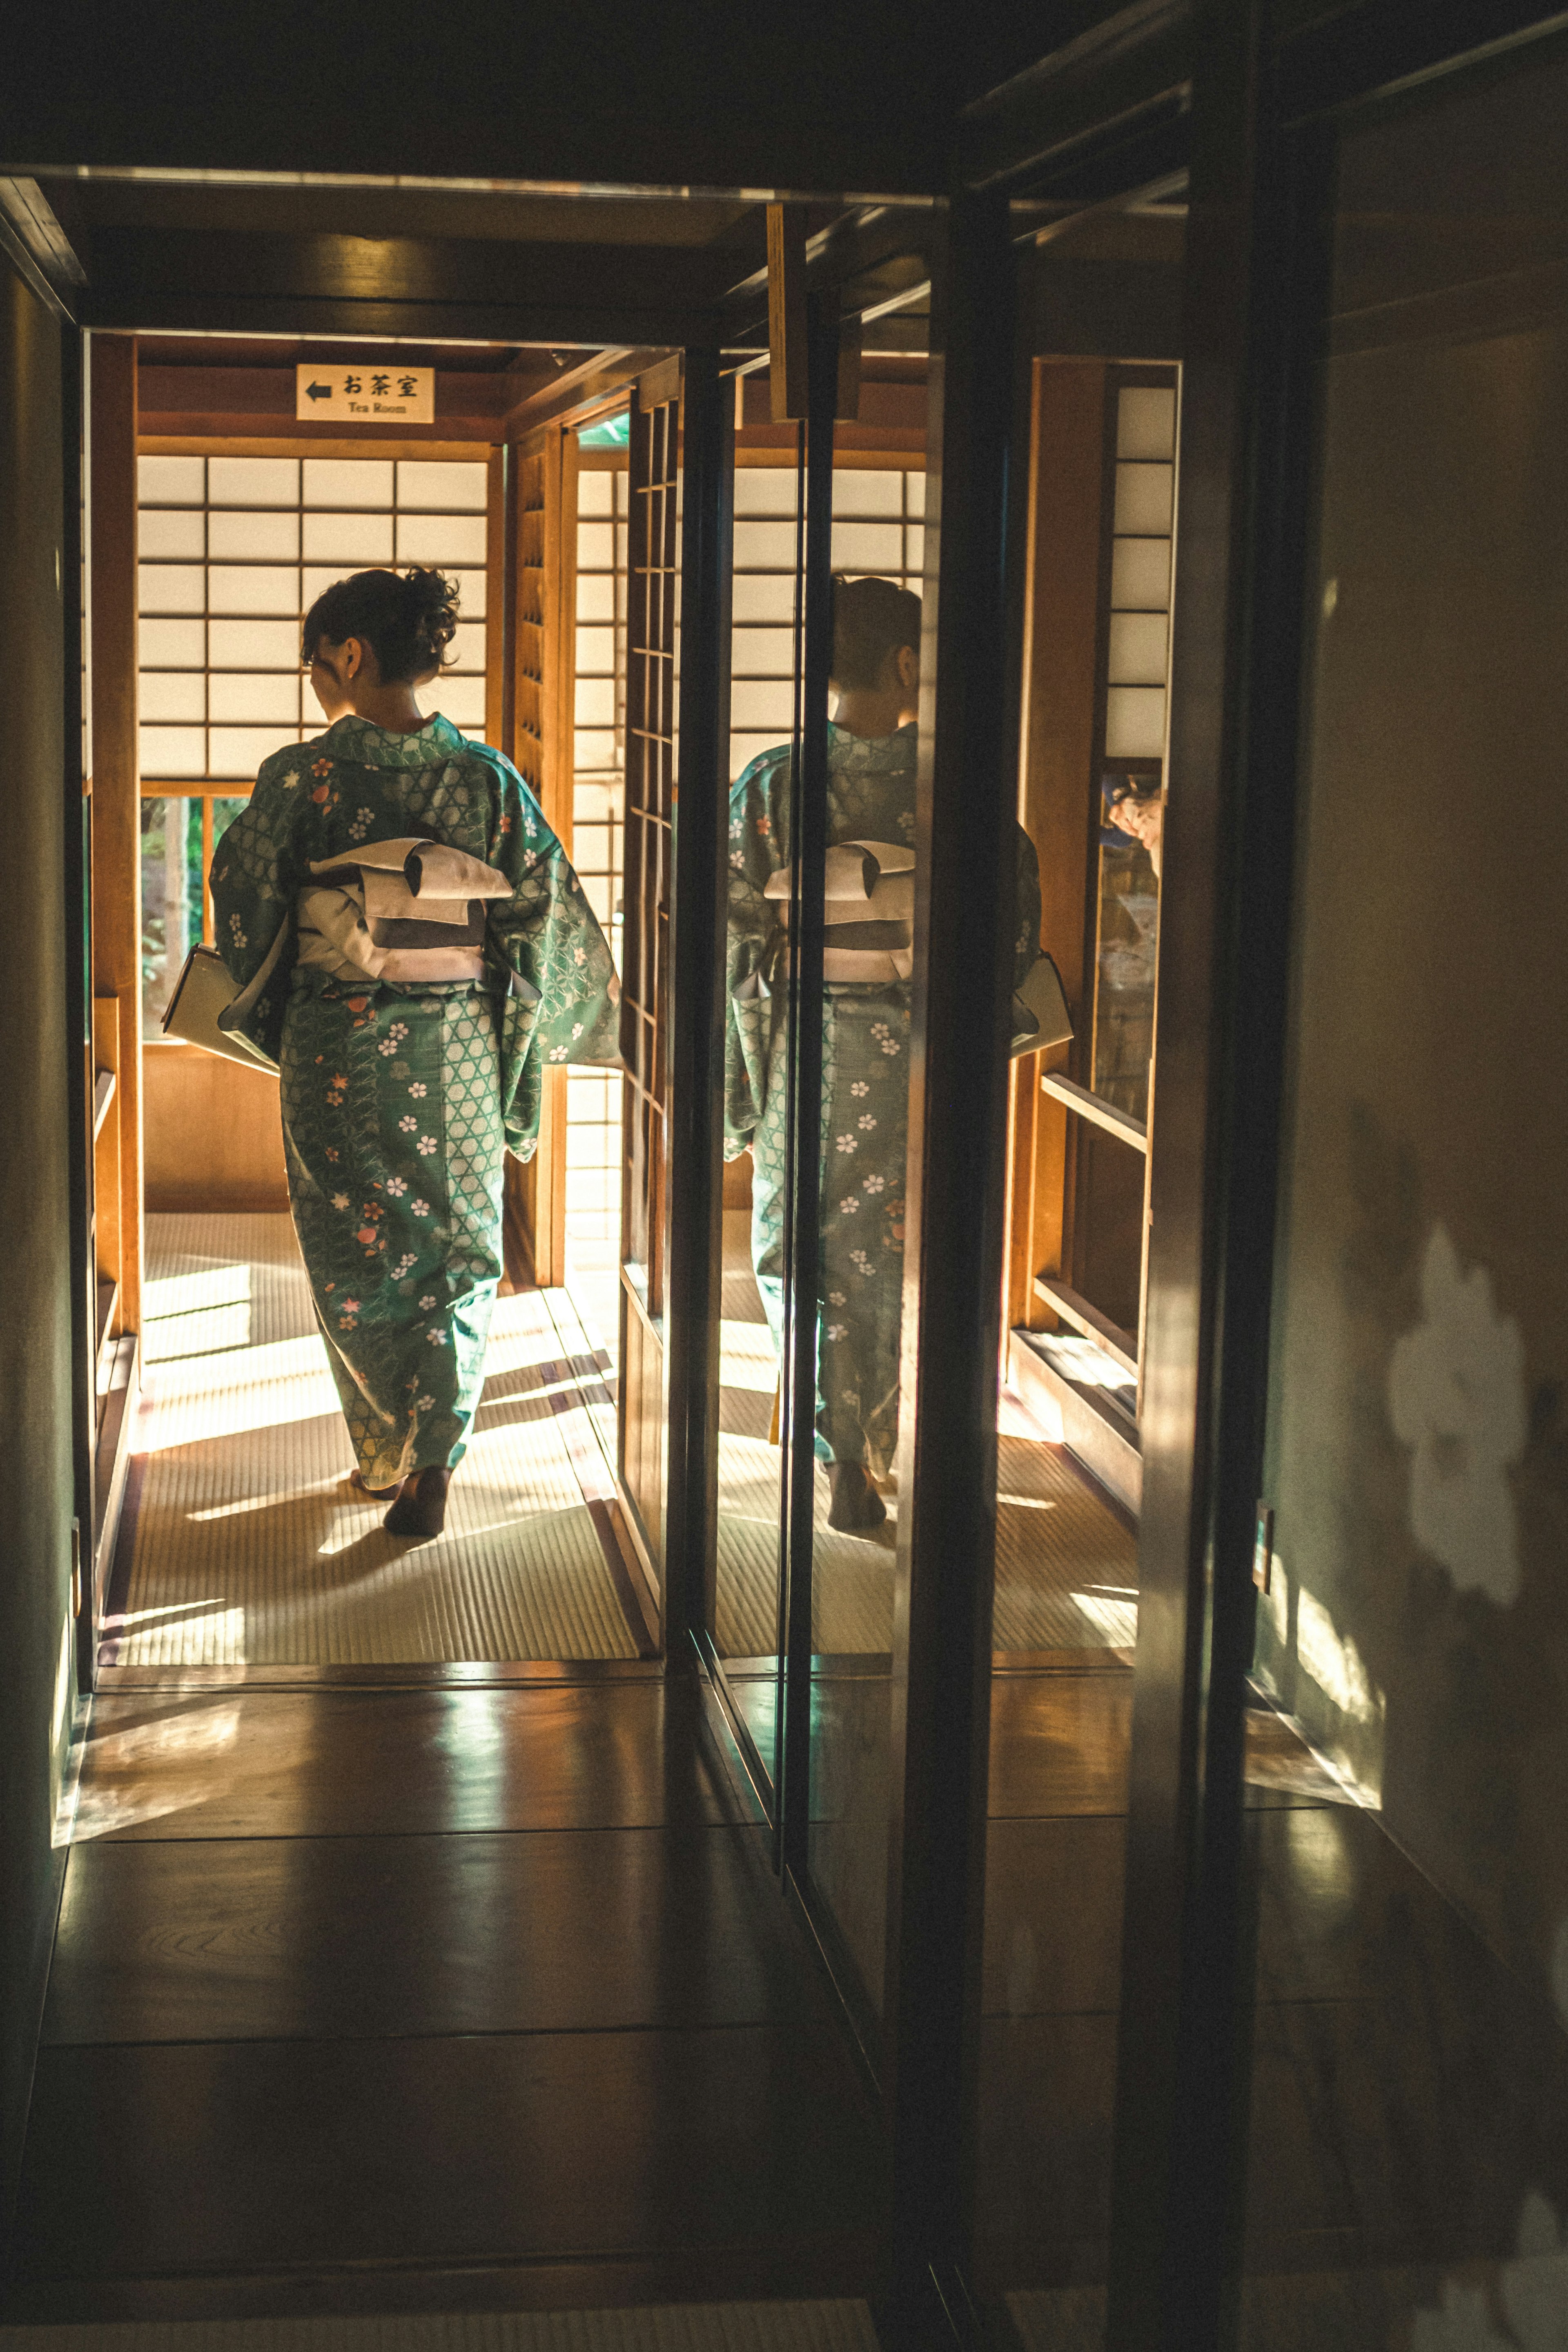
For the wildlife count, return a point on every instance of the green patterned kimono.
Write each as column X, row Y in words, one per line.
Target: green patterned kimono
column 865, row 1085
column 401, row 1099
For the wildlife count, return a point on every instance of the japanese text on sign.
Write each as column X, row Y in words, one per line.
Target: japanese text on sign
column 366, row 396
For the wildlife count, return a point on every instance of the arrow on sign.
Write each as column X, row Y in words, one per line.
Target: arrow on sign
column 318, row 392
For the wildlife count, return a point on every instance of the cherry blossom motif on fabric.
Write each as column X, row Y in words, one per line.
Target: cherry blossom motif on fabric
column 400, row 1101
column 865, row 1085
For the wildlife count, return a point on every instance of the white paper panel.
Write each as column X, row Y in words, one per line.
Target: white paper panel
column 1144, row 497
column 460, row 699
column 255, row 697
column 167, row 694
column 470, row 587
column 254, row 645
column 169, row 751
column 743, row 749
column 764, row 489
column 595, row 702
column 764, row 546
column 595, row 596
column 762, row 653
column 240, row 751
column 595, row 547
column 862, row 492
column 253, row 481
column 1140, row 574
column 466, row 650
column 171, row 481
column 347, row 482
column 171, row 645
column 764, row 596
column 348, row 539
column 867, row 547
column 440, row 538
column 596, row 493
column 593, row 804
column 914, row 552
column 595, row 654
column 1135, row 722
column 1145, row 421
column 762, row 702
column 1138, row 648
column 593, row 747
column 915, row 496
column 252, row 587
column 170, row 588
column 443, row 485
column 170, row 533
column 233, row 537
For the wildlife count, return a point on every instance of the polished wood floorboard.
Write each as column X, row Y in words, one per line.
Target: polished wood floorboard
column 336, row 1763
column 337, row 1938
column 214, row 2157
column 395, row 1998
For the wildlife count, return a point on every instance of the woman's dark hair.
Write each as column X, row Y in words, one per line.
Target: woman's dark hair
column 407, row 619
column 872, row 619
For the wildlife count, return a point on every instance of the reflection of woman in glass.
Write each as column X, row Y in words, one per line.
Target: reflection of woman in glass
column 871, row 746
column 442, row 949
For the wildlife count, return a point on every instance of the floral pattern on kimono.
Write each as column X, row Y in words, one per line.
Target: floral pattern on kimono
column 865, row 1085
column 401, row 1099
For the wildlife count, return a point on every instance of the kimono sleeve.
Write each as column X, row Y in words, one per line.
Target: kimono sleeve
column 548, row 938
column 259, row 867
column 759, row 845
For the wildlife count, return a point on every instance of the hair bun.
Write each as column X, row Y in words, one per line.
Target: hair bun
column 433, row 606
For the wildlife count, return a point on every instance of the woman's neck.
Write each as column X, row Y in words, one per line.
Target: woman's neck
column 392, row 708
column 872, row 711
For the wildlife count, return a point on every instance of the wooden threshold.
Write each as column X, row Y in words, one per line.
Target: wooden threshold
column 1101, row 1438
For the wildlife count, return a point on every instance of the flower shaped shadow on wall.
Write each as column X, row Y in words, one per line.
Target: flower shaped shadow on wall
column 1457, row 1397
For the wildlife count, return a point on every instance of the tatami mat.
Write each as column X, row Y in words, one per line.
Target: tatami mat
column 250, row 1548
column 1067, row 1568
column 839, row 2327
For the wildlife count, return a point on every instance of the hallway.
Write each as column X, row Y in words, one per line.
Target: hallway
column 399, row 1994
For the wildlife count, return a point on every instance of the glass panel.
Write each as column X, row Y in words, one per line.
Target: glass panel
column 253, row 481
column 254, row 538
column 440, row 538
column 171, row 481
column 348, row 482
column 170, row 889
column 1069, row 1474
column 1408, row 2173
column 164, row 534
column 443, row 484
column 352, row 539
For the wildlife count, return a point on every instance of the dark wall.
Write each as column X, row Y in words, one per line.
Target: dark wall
column 35, row 1675
column 857, row 95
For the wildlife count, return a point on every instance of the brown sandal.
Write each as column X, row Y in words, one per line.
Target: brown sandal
column 377, row 1494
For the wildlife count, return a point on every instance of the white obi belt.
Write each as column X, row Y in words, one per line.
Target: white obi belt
column 867, row 911
column 405, row 911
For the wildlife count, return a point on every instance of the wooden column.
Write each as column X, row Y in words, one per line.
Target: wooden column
column 117, row 808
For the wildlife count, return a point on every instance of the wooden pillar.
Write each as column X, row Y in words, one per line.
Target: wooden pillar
column 117, row 808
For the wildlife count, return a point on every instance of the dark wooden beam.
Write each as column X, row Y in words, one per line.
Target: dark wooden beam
column 787, row 314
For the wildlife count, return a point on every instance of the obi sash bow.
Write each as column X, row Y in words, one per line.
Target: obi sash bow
column 407, row 910
column 867, row 911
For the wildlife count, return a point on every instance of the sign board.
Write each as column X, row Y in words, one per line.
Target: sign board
column 377, row 393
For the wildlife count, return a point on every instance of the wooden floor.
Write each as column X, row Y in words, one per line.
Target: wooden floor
column 395, row 1998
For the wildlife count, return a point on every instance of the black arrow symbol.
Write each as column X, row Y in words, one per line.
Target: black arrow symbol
column 318, row 392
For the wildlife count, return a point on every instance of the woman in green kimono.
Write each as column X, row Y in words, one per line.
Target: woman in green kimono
column 871, row 749
column 402, row 1095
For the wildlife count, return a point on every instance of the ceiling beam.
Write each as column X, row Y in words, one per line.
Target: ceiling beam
column 37, row 246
